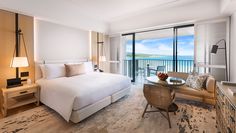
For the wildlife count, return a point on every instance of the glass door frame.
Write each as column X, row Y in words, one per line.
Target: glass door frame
column 133, row 55
column 175, row 45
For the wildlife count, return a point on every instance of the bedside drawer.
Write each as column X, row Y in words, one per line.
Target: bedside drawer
column 20, row 93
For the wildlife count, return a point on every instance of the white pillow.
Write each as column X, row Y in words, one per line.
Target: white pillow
column 51, row 71
column 88, row 67
column 42, row 68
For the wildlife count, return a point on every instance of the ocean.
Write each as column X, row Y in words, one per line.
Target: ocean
column 162, row 57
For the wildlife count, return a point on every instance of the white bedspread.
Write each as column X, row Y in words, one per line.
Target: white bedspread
column 73, row 93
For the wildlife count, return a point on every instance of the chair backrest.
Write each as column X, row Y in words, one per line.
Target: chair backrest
column 161, row 68
column 158, row 96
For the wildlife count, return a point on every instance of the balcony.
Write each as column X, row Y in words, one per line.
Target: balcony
column 142, row 65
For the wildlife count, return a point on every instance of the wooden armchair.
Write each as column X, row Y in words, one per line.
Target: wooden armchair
column 161, row 98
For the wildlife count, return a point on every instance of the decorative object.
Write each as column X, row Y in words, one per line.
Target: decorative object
column 29, row 81
column 74, row 69
column 124, row 116
column 16, row 97
column 214, row 50
column 196, row 81
column 162, row 76
column 167, row 82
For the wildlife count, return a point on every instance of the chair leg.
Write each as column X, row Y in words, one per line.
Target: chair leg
column 168, row 117
column 175, row 113
column 145, row 110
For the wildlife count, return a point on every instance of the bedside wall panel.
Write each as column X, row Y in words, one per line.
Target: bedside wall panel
column 7, row 44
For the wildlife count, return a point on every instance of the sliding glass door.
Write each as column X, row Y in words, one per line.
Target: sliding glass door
column 153, row 49
column 171, row 49
column 129, row 57
column 185, row 48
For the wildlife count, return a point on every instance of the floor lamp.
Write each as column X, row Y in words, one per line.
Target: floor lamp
column 214, row 50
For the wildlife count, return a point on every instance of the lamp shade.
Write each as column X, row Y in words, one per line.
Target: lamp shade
column 214, row 49
column 102, row 58
column 19, row 62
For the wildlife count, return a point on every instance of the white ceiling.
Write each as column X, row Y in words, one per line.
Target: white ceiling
column 89, row 14
column 108, row 10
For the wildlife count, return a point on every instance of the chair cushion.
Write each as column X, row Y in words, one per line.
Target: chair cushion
column 190, row 91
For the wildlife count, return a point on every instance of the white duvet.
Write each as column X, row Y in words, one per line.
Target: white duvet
column 73, row 93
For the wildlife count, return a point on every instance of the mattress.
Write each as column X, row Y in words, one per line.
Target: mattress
column 87, row 88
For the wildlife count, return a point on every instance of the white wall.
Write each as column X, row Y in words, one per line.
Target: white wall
column 195, row 11
column 58, row 11
column 232, row 49
column 57, row 42
column 208, row 34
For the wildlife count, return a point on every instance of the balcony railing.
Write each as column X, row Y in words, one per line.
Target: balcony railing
column 141, row 66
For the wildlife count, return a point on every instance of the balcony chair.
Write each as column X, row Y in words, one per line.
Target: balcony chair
column 160, row 97
column 154, row 71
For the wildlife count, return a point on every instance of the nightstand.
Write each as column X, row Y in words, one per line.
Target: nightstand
column 19, row 96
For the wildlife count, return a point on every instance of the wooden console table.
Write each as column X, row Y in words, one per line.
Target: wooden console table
column 225, row 109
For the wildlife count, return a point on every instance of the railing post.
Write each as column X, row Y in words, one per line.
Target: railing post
column 148, row 70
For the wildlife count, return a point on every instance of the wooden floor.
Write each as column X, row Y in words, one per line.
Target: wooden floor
column 19, row 109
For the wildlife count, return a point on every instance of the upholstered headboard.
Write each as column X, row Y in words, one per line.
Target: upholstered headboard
column 38, row 73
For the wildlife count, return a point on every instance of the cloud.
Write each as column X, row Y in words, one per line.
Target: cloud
column 163, row 46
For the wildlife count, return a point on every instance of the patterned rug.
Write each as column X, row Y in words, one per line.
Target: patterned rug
column 124, row 116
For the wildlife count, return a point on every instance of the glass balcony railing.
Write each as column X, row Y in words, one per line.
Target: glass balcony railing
column 142, row 66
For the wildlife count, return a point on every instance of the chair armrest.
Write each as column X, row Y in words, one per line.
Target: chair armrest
column 211, row 84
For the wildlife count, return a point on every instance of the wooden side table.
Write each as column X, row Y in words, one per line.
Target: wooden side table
column 19, row 96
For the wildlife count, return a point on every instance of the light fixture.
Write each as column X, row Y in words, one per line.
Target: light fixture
column 19, row 62
column 214, row 50
column 102, row 58
column 101, row 55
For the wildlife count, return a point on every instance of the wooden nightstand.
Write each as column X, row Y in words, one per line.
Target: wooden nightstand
column 19, row 96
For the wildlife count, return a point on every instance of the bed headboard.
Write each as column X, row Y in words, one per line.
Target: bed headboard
column 38, row 73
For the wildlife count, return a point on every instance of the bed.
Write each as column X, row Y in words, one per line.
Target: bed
column 77, row 97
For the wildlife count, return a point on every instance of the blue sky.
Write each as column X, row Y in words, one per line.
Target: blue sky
column 163, row 46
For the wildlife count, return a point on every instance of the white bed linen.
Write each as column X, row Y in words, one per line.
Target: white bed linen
column 72, row 93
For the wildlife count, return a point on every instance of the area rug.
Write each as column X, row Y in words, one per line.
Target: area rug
column 124, row 116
